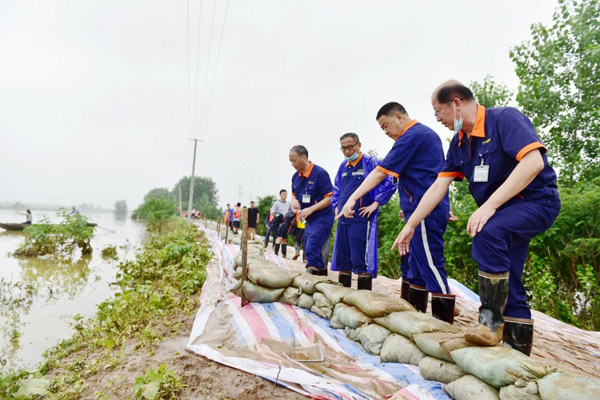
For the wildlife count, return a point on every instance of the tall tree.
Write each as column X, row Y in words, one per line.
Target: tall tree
column 158, row 193
column 559, row 70
column 205, row 194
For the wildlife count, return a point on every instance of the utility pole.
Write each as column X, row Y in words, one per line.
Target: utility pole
column 189, row 216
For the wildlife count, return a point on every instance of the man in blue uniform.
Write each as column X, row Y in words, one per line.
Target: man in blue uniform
column 355, row 248
column 312, row 188
column 498, row 151
column 414, row 162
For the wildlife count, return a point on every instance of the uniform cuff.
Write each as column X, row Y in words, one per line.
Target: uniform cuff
column 528, row 148
column 387, row 171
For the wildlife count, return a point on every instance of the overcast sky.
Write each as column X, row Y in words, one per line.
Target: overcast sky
column 95, row 95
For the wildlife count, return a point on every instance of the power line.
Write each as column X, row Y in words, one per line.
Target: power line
column 197, row 66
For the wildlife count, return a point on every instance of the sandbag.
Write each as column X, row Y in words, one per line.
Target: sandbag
column 434, row 369
column 290, row 296
column 440, row 344
column 305, row 300
column 322, row 306
column 255, row 293
column 271, row 276
column 565, row 386
column 372, row 337
column 352, row 333
column 520, row 390
column 471, row 388
column 399, row 349
column 334, row 292
column 307, row 282
column 345, row 315
column 253, row 254
column 409, row 323
column 499, row 366
column 237, row 274
column 376, row 304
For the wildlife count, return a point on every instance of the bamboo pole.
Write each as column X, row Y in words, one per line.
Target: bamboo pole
column 244, row 251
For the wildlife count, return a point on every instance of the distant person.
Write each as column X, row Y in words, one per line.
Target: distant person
column 253, row 220
column 279, row 210
column 298, row 234
column 74, row 211
column 312, row 188
column 355, row 248
column 237, row 216
column 228, row 217
column 28, row 217
column 286, row 228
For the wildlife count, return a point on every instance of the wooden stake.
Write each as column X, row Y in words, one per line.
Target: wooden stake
column 218, row 226
column 226, row 230
column 244, row 251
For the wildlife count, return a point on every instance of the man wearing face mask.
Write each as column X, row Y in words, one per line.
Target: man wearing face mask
column 355, row 247
column 414, row 162
column 312, row 188
column 499, row 152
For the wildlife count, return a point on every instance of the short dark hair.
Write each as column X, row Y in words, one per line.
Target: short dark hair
column 300, row 150
column 239, row 204
column 282, row 191
column 350, row 135
column 391, row 107
column 453, row 90
column 252, row 202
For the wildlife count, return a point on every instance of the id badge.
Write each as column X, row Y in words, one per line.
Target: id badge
column 306, row 198
column 481, row 173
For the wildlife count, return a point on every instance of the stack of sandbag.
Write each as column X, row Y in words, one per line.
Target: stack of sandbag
column 391, row 328
column 256, row 254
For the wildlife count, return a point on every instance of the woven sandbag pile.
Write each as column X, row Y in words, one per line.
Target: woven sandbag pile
column 390, row 327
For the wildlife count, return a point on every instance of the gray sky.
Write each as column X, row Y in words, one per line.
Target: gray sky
column 94, row 102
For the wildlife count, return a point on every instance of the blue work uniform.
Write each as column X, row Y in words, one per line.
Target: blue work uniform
column 355, row 247
column 415, row 161
column 501, row 137
column 310, row 189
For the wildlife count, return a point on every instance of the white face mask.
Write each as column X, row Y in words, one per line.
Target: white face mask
column 458, row 123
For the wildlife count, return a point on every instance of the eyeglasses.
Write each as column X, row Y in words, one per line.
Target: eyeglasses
column 348, row 148
column 438, row 113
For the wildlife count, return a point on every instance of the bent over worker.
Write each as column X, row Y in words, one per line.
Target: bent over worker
column 498, row 151
column 312, row 188
column 355, row 246
column 414, row 161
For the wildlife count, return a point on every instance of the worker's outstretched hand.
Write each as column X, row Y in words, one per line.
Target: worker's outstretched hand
column 305, row 213
column 347, row 210
column 403, row 240
column 367, row 211
column 479, row 218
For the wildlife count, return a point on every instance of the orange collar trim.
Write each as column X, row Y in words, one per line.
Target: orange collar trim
column 479, row 128
column 410, row 124
column 310, row 168
column 353, row 163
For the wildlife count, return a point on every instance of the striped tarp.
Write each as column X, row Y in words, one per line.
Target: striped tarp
column 258, row 337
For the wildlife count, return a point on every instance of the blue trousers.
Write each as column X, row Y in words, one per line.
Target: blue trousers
column 502, row 245
column 426, row 254
column 316, row 235
column 351, row 245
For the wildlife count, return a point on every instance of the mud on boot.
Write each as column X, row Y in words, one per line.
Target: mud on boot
column 493, row 292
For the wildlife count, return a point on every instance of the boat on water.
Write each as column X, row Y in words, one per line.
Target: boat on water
column 19, row 227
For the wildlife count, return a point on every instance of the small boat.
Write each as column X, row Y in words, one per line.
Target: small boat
column 19, row 227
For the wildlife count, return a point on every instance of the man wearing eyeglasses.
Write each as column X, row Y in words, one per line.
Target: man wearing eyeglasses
column 414, row 161
column 499, row 152
column 355, row 247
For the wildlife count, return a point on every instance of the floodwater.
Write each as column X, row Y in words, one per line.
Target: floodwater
column 39, row 298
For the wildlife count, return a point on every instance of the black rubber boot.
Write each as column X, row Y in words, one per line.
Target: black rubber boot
column 418, row 296
column 442, row 306
column 345, row 278
column 364, row 282
column 405, row 293
column 276, row 251
column 518, row 334
column 284, row 250
column 323, row 272
column 313, row 270
column 493, row 292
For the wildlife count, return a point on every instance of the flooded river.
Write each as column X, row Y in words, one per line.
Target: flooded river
column 38, row 298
